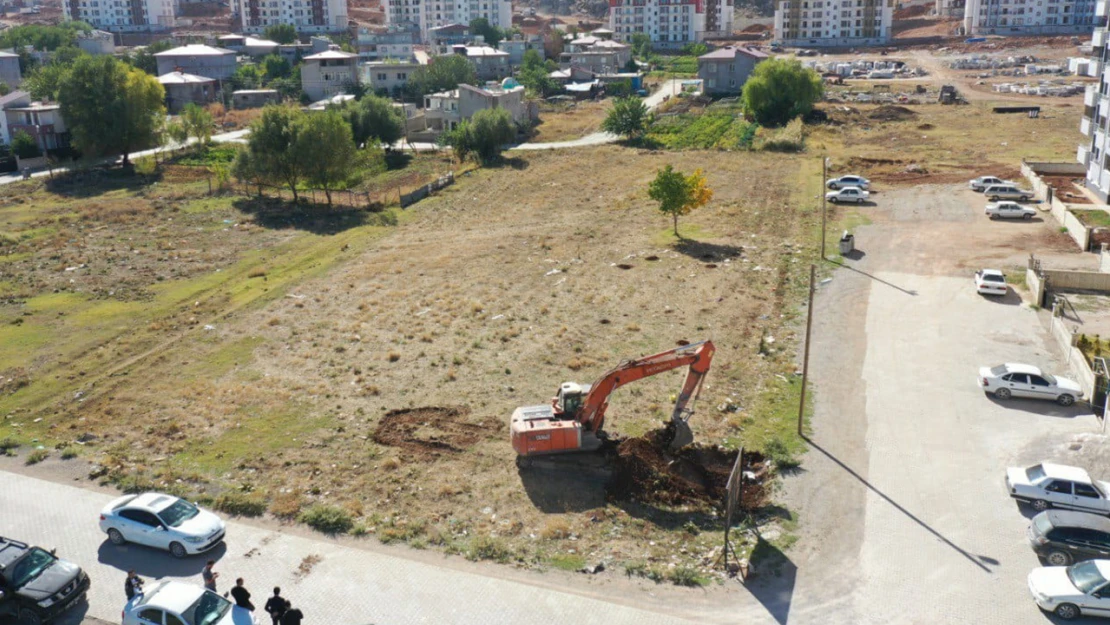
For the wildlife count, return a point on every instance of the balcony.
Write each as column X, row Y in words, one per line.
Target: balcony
column 1100, row 8
column 1090, row 95
column 1099, row 38
column 1085, row 127
column 1082, row 155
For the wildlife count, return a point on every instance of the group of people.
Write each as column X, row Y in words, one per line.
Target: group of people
column 279, row 608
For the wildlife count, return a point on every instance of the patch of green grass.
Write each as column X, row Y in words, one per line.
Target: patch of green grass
column 327, row 519
column 716, row 129
column 69, row 453
column 1095, row 218
column 240, row 504
column 772, row 420
column 226, row 356
column 686, row 576
column 259, row 430
column 686, row 230
column 567, row 561
column 8, row 446
column 489, row 548
column 212, row 154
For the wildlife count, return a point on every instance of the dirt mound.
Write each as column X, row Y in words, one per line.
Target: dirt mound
column 756, row 28
column 645, row 470
column 915, row 11
column 428, row 431
column 892, row 113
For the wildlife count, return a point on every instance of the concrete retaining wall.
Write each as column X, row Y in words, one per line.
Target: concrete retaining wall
column 1061, row 212
column 1077, row 364
column 1035, row 285
column 1077, row 280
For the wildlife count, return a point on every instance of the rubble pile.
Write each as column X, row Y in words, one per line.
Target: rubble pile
column 1056, row 88
column 865, row 69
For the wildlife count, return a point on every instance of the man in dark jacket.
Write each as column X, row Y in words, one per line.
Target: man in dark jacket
column 133, row 586
column 241, row 595
column 292, row 615
column 275, row 606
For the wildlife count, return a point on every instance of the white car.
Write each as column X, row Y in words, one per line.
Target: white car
column 1072, row 591
column 849, row 181
column 177, row 603
column 1017, row 380
column 848, row 194
column 163, row 522
column 1009, row 210
column 990, row 282
column 1047, row 485
column 982, row 182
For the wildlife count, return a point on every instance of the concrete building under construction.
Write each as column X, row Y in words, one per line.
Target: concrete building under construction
column 833, row 23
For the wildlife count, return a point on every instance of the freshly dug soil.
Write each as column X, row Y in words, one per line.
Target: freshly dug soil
column 429, row 431
column 646, row 471
column 892, row 113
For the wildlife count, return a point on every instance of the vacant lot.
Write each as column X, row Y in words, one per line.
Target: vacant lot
column 572, row 120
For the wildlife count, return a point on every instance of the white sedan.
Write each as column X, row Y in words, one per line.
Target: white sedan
column 1048, row 485
column 1016, row 380
column 1009, row 210
column 849, row 181
column 990, row 282
column 1072, row 591
column 177, row 603
column 848, row 194
column 161, row 521
column 982, row 182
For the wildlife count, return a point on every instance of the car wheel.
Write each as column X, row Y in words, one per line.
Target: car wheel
column 994, row 198
column 833, row 199
column 1027, row 217
column 1067, row 611
column 28, row 616
column 1002, row 393
column 833, row 186
column 1040, row 505
column 116, row 537
column 1058, row 558
column 1065, row 400
column 178, row 550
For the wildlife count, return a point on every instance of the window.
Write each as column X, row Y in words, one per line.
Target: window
column 1059, row 486
column 173, row 620
column 139, row 516
column 151, row 615
column 1037, row 380
column 1086, row 490
column 381, row 77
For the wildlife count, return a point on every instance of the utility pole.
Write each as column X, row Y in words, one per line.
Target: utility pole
column 824, row 214
column 805, row 358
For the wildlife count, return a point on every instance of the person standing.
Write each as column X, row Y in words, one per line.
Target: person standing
column 275, row 606
column 292, row 615
column 210, row 576
column 133, row 586
column 241, row 595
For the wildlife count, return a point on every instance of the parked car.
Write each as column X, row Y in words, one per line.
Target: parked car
column 1063, row 537
column 178, row 603
column 1072, row 591
column 982, row 182
column 161, row 521
column 997, row 192
column 849, row 181
column 1047, row 485
column 35, row 585
column 990, row 282
column 1017, row 380
column 1009, row 210
column 848, row 194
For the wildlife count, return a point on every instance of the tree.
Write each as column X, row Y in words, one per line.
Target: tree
column 272, row 144
column 535, row 76
column 43, row 38
column 197, row 122
column 24, row 145
column 780, row 90
column 274, row 67
column 627, row 118
column 110, row 108
column 483, row 137
column 695, row 49
column 442, row 73
column 491, row 34
column 532, row 60
column 641, row 45
column 329, row 157
column 679, row 194
column 144, row 57
column 244, row 169
column 281, row 33
column 374, row 118
column 247, row 77
column 177, row 132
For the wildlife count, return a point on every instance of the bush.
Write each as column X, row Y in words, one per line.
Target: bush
column 686, row 576
column 239, row 504
column 327, row 519
column 8, row 446
column 488, row 548
column 780, row 90
column 778, row 453
column 483, row 137
column 789, row 139
column 24, row 145
column 286, row 505
column 37, row 456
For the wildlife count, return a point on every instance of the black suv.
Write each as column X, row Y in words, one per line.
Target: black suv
column 36, row 586
column 1063, row 537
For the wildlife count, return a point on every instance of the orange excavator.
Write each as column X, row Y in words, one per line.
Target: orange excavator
column 573, row 420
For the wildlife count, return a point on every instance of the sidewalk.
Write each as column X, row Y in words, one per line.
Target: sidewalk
column 333, row 584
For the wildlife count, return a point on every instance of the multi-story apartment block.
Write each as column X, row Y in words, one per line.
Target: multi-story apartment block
column 122, row 15
column 308, row 16
column 378, row 44
column 1028, row 17
column 669, row 23
column 833, row 22
column 428, row 14
column 1094, row 151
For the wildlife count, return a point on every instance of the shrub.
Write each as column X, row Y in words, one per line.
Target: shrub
column 488, row 548
column 327, row 519
column 8, row 446
column 69, row 453
column 568, row 561
column 686, row 576
column 780, row 454
column 555, row 529
column 37, row 456
column 780, row 90
column 789, row 139
column 286, row 505
column 239, row 504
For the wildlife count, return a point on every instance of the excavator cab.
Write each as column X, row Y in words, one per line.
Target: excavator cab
column 569, row 400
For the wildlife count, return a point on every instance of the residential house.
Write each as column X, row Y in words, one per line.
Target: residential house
column 390, row 76
column 250, row 46
column 670, row 23
column 833, row 23
column 254, row 98
column 15, row 98
column 518, row 45
column 199, row 60
column 118, row 16
column 489, row 64
column 445, row 110
column 307, row 16
column 448, row 35
column 1018, row 17
column 328, row 73
column 378, row 44
column 97, row 42
column 1094, row 150
column 725, row 70
column 182, row 89
column 9, row 69
column 596, row 54
column 41, row 120
column 426, row 15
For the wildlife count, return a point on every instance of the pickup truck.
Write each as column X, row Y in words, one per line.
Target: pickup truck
column 35, row 585
column 1009, row 210
column 1048, row 485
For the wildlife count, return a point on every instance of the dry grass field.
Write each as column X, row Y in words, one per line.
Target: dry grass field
column 563, row 122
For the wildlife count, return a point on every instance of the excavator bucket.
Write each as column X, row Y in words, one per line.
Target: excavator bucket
column 680, row 434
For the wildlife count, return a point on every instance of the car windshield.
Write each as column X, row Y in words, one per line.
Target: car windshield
column 178, row 512
column 27, row 568
column 208, row 609
column 999, row 370
column 1085, row 577
column 1050, row 379
column 1043, row 525
column 1035, row 472
column 991, row 277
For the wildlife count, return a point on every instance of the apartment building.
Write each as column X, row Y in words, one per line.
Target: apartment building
column 125, row 16
column 328, row 74
column 1028, row 17
column 1094, row 150
column 308, row 16
column 428, row 14
column 817, row 23
column 669, row 23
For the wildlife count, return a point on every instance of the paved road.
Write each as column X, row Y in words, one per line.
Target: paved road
column 332, row 583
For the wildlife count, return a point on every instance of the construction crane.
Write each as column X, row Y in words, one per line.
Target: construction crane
column 573, row 421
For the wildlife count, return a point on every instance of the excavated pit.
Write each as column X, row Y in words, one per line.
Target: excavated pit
column 429, row 431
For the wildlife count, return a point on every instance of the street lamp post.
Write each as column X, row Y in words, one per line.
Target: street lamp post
column 824, row 214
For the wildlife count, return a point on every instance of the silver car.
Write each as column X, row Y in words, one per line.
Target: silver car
column 849, row 181
column 997, row 192
column 982, row 182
